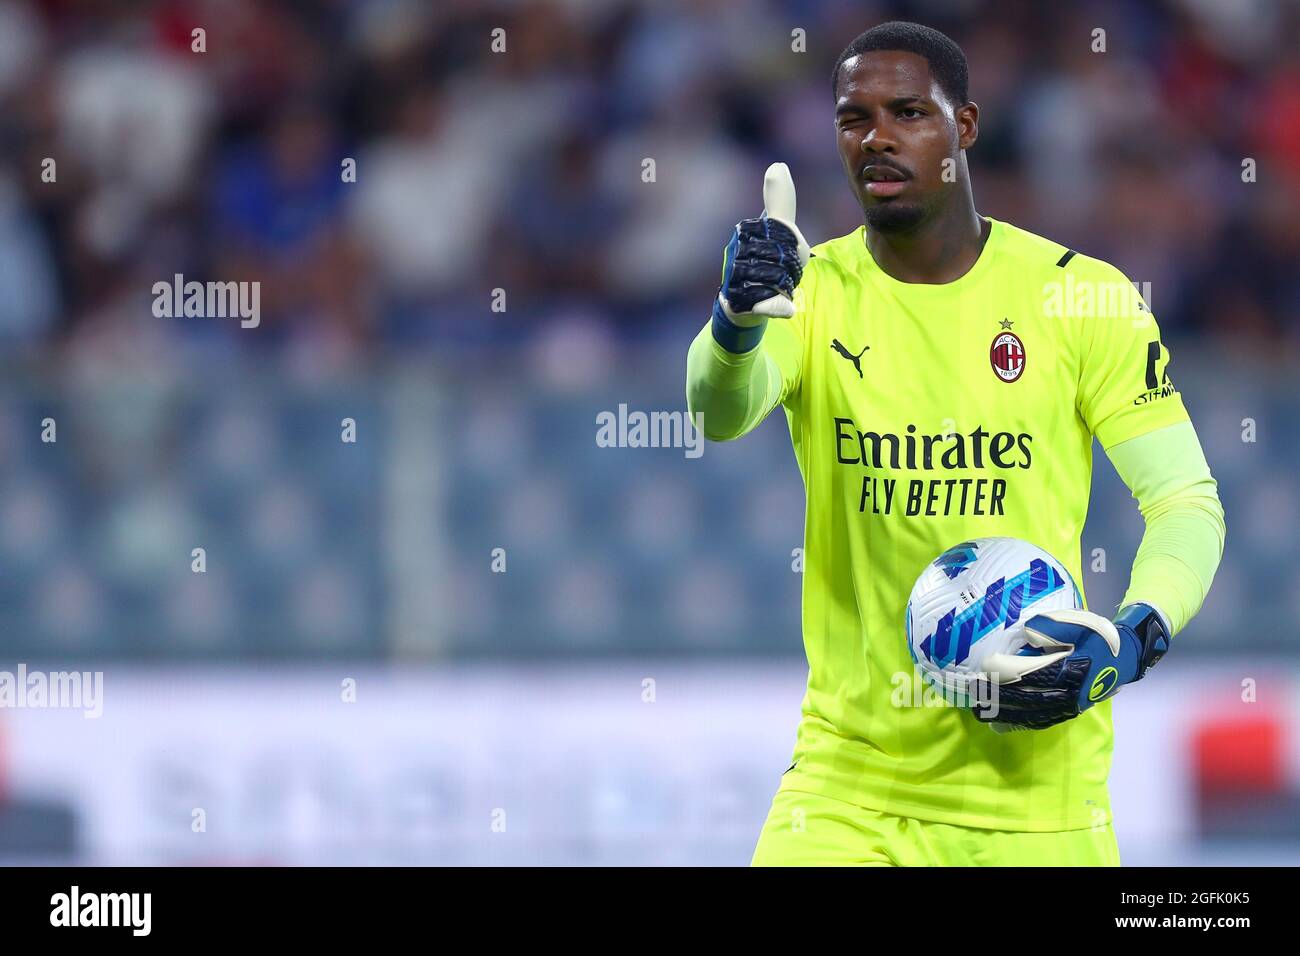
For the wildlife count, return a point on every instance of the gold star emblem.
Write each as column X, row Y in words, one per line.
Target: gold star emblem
column 1005, row 323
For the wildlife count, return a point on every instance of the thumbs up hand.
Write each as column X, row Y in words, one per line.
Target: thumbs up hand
column 763, row 262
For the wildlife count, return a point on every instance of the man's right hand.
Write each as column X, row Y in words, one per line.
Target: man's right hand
column 763, row 263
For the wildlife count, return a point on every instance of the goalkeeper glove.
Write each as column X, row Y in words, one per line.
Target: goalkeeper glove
column 1073, row 659
column 762, row 264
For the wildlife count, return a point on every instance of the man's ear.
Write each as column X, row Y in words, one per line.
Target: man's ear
column 968, row 125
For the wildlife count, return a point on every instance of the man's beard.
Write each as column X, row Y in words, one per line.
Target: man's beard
column 894, row 216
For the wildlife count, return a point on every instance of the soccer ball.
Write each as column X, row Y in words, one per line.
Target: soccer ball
column 970, row 604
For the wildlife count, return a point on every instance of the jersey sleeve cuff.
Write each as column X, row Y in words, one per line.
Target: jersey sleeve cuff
column 1124, row 427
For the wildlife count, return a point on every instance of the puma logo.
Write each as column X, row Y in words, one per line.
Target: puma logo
column 838, row 346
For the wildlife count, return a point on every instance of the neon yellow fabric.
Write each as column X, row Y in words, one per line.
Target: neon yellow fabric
column 909, row 441
column 809, row 829
column 1179, row 500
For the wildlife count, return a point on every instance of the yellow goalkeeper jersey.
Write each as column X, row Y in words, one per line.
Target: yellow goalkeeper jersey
column 923, row 416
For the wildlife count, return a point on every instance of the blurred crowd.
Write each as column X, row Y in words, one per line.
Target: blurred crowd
column 541, row 194
column 516, row 160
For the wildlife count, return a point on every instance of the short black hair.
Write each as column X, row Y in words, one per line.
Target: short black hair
column 947, row 61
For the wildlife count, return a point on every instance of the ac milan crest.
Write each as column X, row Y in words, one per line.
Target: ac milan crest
column 1007, row 355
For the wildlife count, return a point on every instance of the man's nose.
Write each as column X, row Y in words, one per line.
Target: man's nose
column 879, row 140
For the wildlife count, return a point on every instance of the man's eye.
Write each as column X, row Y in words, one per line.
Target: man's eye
column 912, row 110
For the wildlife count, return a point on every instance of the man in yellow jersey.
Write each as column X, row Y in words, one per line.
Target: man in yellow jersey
column 943, row 375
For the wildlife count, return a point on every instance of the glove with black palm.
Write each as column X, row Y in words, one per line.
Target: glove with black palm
column 761, row 267
column 1073, row 660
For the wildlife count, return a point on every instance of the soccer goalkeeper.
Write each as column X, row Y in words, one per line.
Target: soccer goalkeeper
column 943, row 375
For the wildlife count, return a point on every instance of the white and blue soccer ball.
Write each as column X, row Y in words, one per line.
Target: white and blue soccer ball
column 969, row 606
